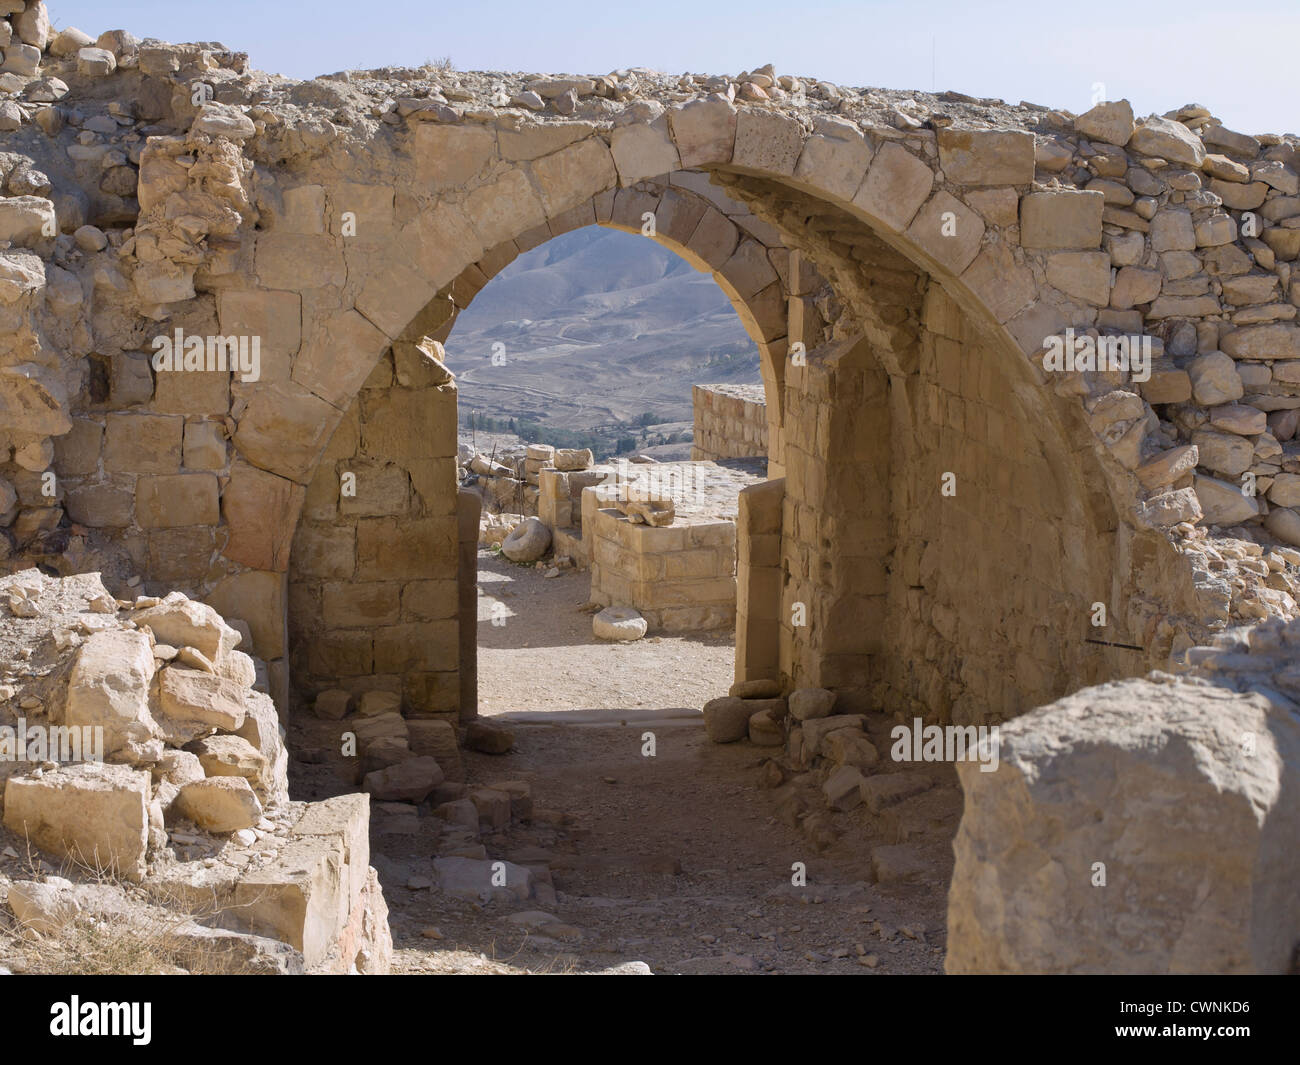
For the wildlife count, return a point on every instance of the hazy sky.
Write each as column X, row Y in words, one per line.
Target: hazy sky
column 1238, row 59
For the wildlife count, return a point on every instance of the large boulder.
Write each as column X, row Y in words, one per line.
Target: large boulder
column 1143, row 826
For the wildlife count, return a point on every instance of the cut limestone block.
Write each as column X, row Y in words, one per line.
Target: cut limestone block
column 94, row 813
column 220, row 804
column 108, row 688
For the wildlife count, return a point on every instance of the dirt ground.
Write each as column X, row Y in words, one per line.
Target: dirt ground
column 680, row 862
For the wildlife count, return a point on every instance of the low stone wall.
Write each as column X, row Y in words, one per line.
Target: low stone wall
column 730, row 421
column 680, row 577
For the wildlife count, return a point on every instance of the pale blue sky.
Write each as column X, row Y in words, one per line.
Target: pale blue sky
column 1239, row 59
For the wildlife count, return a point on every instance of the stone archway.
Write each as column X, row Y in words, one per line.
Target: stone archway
column 912, row 253
column 922, row 276
column 373, row 582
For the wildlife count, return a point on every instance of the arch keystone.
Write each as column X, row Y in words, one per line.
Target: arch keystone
column 643, row 151
column 767, row 142
column 704, row 130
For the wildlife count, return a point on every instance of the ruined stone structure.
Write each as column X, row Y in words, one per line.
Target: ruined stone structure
column 901, row 262
column 968, row 515
column 730, row 421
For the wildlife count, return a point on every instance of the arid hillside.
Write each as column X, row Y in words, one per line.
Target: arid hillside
column 594, row 329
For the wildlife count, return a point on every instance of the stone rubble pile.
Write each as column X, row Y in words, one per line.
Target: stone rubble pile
column 412, row 769
column 824, row 764
column 177, row 778
column 510, row 480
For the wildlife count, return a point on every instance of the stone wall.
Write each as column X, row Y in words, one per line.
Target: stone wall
column 336, row 218
column 759, row 581
column 680, row 578
column 730, row 421
column 373, row 600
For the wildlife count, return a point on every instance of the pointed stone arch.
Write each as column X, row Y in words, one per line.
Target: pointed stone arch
column 895, row 261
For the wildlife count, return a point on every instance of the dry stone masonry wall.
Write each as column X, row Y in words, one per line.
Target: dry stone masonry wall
column 138, row 744
column 730, row 421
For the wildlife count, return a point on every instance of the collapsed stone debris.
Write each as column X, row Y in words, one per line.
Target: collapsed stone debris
column 190, row 800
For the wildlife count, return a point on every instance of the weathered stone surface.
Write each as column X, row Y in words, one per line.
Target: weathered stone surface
column 220, row 804
column 727, row 719
column 1167, row 139
column 229, row 756
column 756, row 689
column 95, row 814
column 986, row 157
column 108, row 688
column 44, row 908
column 765, row 729
column 193, row 702
column 1168, row 466
column 410, row 781
column 843, row 788
column 1067, row 219
column 1110, row 122
column 481, row 881
column 618, row 623
column 1122, row 782
column 704, row 131
column 807, row 703
column 528, row 541
column 895, row 187
column 1224, row 453
column 182, row 622
column 1223, row 502
column 1215, row 379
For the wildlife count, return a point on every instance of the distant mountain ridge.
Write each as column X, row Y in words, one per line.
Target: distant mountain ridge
column 593, row 328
